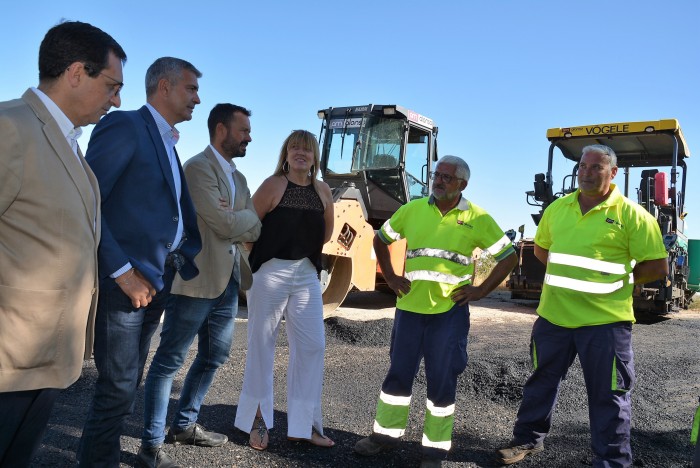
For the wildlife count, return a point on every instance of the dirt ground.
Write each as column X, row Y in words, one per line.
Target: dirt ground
column 664, row 400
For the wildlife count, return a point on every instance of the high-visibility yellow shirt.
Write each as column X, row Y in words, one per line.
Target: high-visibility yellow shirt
column 439, row 250
column 589, row 277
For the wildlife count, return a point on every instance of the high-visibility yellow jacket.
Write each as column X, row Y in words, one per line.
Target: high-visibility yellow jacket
column 439, row 249
column 589, row 277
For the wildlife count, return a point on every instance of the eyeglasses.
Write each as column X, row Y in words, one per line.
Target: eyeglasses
column 116, row 86
column 445, row 177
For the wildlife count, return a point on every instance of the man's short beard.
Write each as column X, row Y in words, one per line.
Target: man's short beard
column 234, row 150
column 447, row 195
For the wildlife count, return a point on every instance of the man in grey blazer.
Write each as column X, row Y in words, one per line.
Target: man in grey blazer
column 50, row 229
column 205, row 306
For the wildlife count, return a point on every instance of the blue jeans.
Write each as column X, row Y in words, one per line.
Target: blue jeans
column 213, row 321
column 122, row 340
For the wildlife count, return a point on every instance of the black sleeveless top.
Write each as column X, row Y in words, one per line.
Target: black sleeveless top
column 294, row 229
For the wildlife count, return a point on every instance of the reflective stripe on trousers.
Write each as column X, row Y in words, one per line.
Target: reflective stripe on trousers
column 441, row 339
column 437, row 431
column 392, row 415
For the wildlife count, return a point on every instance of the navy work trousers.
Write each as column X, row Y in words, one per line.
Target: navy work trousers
column 605, row 353
column 441, row 339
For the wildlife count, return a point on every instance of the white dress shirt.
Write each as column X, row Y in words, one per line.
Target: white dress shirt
column 69, row 131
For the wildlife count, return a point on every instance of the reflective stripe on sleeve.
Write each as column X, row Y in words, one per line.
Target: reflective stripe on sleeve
column 502, row 243
column 587, row 263
column 440, row 253
column 390, row 233
column 428, row 275
column 582, row 286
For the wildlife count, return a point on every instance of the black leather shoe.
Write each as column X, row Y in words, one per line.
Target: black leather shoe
column 196, row 435
column 154, row 457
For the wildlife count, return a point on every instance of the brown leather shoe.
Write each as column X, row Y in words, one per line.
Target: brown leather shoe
column 515, row 453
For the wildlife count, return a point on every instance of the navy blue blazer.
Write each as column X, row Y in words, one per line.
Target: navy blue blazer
column 139, row 206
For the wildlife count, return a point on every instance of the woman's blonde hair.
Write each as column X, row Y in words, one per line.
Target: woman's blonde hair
column 304, row 139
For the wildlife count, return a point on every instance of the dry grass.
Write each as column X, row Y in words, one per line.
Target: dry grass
column 695, row 305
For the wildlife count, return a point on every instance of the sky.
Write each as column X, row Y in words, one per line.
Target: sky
column 493, row 75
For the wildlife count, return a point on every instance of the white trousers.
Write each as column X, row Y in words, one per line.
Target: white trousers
column 288, row 288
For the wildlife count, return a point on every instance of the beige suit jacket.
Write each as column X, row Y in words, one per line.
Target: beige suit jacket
column 219, row 228
column 49, row 232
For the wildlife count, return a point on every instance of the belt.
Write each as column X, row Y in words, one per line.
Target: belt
column 175, row 260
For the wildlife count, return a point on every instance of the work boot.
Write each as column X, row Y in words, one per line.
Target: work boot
column 515, row 453
column 196, row 435
column 154, row 457
column 375, row 444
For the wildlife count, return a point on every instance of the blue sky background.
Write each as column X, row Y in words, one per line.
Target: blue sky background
column 493, row 75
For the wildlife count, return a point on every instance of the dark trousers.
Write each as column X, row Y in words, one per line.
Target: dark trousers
column 122, row 341
column 24, row 416
column 605, row 353
column 441, row 339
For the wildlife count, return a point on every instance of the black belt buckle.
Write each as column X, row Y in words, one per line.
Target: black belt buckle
column 175, row 260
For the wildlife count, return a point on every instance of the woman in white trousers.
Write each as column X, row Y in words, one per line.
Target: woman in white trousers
column 297, row 219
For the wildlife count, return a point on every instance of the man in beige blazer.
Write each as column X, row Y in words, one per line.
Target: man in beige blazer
column 50, row 229
column 205, row 306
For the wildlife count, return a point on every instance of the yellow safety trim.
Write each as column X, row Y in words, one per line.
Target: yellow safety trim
column 696, row 427
column 613, row 382
column 534, row 355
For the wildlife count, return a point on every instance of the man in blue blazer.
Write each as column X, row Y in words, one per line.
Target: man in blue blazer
column 149, row 234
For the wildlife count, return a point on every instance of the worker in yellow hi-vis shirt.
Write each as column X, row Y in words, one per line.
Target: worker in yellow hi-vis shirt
column 432, row 310
column 596, row 244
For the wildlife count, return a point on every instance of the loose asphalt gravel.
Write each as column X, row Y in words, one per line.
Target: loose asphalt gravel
column 664, row 400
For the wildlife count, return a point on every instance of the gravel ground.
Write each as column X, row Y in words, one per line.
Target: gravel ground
column 664, row 399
